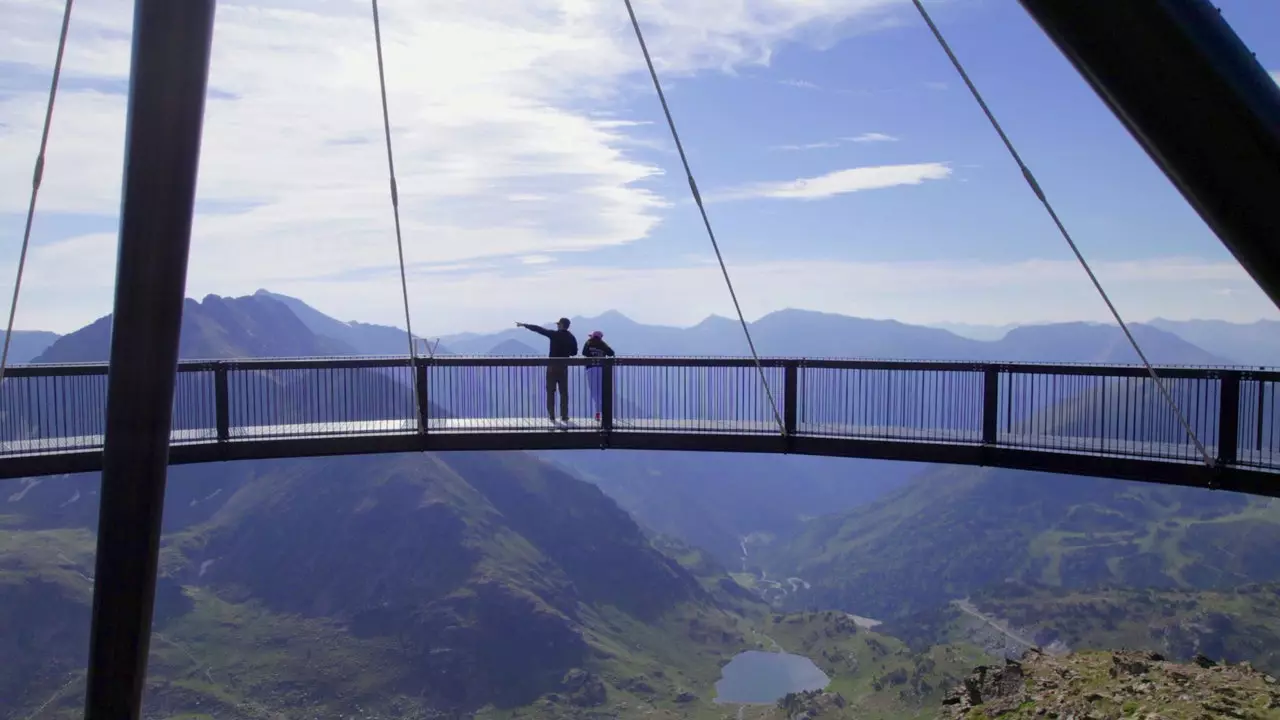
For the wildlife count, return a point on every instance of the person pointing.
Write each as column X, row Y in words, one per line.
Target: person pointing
column 563, row 345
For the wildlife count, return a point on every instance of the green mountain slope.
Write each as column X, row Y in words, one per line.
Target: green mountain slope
column 718, row 500
column 958, row 530
column 388, row 586
column 1231, row 626
column 461, row 582
column 875, row 676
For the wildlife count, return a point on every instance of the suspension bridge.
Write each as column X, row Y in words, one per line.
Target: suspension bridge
column 1207, row 113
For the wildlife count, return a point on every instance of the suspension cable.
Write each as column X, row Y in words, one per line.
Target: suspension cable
column 36, row 178
column 395, row 203
column 1044, row 200
column 706, row 221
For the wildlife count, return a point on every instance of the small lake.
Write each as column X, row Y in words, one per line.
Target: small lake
column 763, row 677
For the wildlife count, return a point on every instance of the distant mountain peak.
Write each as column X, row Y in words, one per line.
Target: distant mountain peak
column 365, row 338
column 512, row 348
column 713, row 320
column 259, row 325
column 613, row 317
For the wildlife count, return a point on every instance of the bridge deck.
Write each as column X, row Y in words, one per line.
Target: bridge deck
column 1104, row 420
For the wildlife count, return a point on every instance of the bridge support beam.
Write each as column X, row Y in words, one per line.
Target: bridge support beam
column 1197, row 101
column 171, row 47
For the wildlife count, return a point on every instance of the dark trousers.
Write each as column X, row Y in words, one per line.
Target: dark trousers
column 595, row 382
column 558, row 376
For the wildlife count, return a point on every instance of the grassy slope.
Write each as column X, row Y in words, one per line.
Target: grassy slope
column 240, row 660
column 959, row 530
column 1238, row 625
column 878, row 676
column 236, row 648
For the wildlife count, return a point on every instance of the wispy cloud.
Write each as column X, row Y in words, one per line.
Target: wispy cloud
column 802, row 84
column 807, row 146
column 840, row 182
column 506, row 117
column 870, row 137
column 1275, row 75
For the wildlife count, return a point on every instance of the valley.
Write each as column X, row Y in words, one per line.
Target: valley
column 621, row 584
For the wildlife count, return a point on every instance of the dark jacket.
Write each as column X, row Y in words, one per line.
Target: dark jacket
column 595, row 348
column 563, row 343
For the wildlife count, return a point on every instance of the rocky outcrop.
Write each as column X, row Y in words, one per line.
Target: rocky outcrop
column 813, row 705
column 997, row 690
column 1111, row 686
column 584, row 689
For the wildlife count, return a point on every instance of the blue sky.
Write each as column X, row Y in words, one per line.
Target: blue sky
column 538, row 177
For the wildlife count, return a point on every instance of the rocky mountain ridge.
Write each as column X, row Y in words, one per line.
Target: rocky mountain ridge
column 1113, row 685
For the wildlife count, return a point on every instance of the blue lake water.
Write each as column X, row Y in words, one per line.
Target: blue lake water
column 763, row 677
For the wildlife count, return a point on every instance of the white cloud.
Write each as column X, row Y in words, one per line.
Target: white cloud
column 871, row 137
column 507, row 136
column 458, row 297
column 802, row 84
column 807, row 146
column 513, row 146
column 1275, row 75
column 840, row 182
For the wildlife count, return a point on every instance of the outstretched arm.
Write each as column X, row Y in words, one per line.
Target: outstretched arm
column 535, row 328
column 607, row 350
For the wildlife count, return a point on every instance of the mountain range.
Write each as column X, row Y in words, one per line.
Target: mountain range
column 801, row 333
column 713, row 501
column 411, row 586
column 1256, row 343
column 954, row 531
column 397, row 586
column 27, row 344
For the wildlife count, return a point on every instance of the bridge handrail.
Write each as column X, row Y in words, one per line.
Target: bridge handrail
column 391, row 361
column 1107, row 412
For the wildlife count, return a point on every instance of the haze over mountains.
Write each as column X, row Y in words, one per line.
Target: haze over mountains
column 795, row 333
column 801, row 333
column 411, row 585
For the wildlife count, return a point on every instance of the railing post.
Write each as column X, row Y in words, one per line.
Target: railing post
column 1228, row 417
column 222, row 401
column 790, row 396
column 606, row 398
column 424, row 413
column 990, row 404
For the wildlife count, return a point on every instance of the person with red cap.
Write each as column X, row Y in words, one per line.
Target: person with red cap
column 595, row 348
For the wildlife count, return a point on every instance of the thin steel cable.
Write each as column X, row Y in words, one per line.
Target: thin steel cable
column 36, row 179
column 395, row 205
column 1044, row 200
column 706, row 221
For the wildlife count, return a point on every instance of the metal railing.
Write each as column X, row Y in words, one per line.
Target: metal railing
column 1100, row 411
